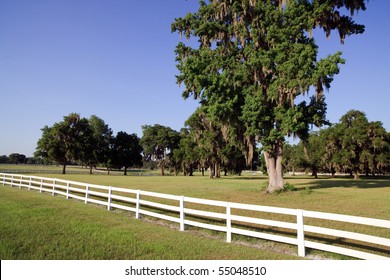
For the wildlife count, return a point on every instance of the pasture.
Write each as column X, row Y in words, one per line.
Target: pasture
column 36, row 226
column 368, row 197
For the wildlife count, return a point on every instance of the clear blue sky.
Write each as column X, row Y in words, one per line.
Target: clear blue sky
column 115, row 59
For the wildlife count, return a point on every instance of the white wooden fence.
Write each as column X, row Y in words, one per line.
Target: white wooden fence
column 182, row 210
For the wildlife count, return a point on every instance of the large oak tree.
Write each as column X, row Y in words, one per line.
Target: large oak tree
column 254, row 58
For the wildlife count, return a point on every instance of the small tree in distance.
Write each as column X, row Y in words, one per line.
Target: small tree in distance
column 126, row 151
column 63, row 142
column 158, row 143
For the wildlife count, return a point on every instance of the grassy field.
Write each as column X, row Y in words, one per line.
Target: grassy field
column 365, row 197
column 368, row 197
column 38, row 226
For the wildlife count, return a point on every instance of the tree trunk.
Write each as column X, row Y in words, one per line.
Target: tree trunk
column 125, row 171
column 275, row 168
column 162, row 170
column 202, row 166
column 314, row 172
column 184, row 169
column 249, row 151
column 217, row 172
column 64, row 168
column 90, row 169
column 366, row 167
column 375, row 163
column 211, row 170
column 356, row 175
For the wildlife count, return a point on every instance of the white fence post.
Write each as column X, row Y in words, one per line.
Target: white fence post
column 29, row 184
column 4, row 179
column 109, row 198
column 67, row 190
column 137, row 205
column 40, row 189
column 182, row 213
column 54, row 186
column 228, row 223
column 20, row 182
column 300, row 234
column 86, row 194
column 12, row 181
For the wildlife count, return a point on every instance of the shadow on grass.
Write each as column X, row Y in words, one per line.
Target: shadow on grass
column 363, row 183
column 327, row 181
column 323, row 239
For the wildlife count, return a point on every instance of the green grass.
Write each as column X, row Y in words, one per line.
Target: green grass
column 365, row 197
column 368, row 197
column 38, row 226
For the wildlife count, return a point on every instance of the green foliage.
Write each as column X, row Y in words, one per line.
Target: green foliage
column 185, row 157
column 363, row 146
column 354, row 145
column 290, row 187
column 3, row 159
column 69, row 140
column 264, row 186
column 254, row 59
column 292, row 158
column 16, row 158
column 158, row 144
column 217, row 145
column 287, row 187
column 126, row 151
column 102, row 141
column 88, row 142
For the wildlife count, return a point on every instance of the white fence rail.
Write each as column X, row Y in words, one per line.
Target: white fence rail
column 188, row 211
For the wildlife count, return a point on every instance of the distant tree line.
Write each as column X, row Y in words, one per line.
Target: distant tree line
column 88, row 142
column 354, row 146
column 13, row 158
column 16, row 158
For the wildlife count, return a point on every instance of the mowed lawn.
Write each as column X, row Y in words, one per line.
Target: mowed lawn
column 366, row 197
column 38, row 226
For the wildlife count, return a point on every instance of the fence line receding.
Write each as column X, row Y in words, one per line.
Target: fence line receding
column 223, row 216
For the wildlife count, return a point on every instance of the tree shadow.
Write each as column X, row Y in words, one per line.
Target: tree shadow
column 347, row 182
column 325, row 181
column 320, row 238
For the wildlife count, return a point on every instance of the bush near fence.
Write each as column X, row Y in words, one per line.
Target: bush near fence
column 222, row 216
